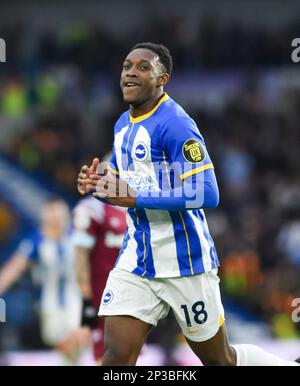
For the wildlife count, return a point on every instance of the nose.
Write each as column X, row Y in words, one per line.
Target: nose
column 131, row 73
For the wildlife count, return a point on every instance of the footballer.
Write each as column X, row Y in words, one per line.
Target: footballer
column 162, row 172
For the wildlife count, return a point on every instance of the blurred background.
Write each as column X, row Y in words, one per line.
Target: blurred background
column 233, row 73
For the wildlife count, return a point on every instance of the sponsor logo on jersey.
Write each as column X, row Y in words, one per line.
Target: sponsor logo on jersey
column 193, row 151
column 113, row 240
column 114, row 222
column 140, row 152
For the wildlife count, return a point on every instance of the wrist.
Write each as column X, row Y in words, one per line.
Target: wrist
column 89, row 315
column 131, row 202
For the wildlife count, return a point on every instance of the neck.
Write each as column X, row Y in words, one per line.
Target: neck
column 52, row 233
column 143, row 108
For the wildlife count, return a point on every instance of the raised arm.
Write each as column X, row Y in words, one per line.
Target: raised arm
column 12, row 271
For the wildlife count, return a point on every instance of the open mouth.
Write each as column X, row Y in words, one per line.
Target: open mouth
column 131, row 84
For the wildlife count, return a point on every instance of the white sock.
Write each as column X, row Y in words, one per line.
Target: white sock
column 250, row 355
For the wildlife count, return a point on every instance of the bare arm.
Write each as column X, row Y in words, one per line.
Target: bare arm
column 12, row 271
column 89, row 315
column 83, row 271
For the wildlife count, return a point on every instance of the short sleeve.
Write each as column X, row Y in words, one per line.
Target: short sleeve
column 29, row 247
column 184, row 147
column 88, row 216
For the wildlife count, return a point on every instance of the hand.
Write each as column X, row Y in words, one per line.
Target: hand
column 113, row 190
column 85, row 172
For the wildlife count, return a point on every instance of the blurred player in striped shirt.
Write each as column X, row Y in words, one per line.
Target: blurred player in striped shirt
column 49, row 251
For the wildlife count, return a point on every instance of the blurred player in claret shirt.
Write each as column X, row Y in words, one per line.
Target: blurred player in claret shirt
column 98, row 235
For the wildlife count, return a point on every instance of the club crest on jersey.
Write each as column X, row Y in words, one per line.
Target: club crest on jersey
column 140, row 152
column 108, row 297
column 193, row 151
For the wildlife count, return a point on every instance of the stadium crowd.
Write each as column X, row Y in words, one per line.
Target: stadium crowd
column 207, row 42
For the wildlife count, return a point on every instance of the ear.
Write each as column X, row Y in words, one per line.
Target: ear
column 163, row 79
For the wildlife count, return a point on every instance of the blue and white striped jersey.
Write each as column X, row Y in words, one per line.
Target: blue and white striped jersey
column 54, row 261
column 162, row 243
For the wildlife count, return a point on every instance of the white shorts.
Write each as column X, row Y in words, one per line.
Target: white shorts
column 195, row 301
column 58, row 323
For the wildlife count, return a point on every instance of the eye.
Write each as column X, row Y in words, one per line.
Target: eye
column 144, row 67
column 126, row 66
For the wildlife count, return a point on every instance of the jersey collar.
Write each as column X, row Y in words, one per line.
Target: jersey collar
column 147, row 115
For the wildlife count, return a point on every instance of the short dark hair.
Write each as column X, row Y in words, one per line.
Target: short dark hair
column 163, row 52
